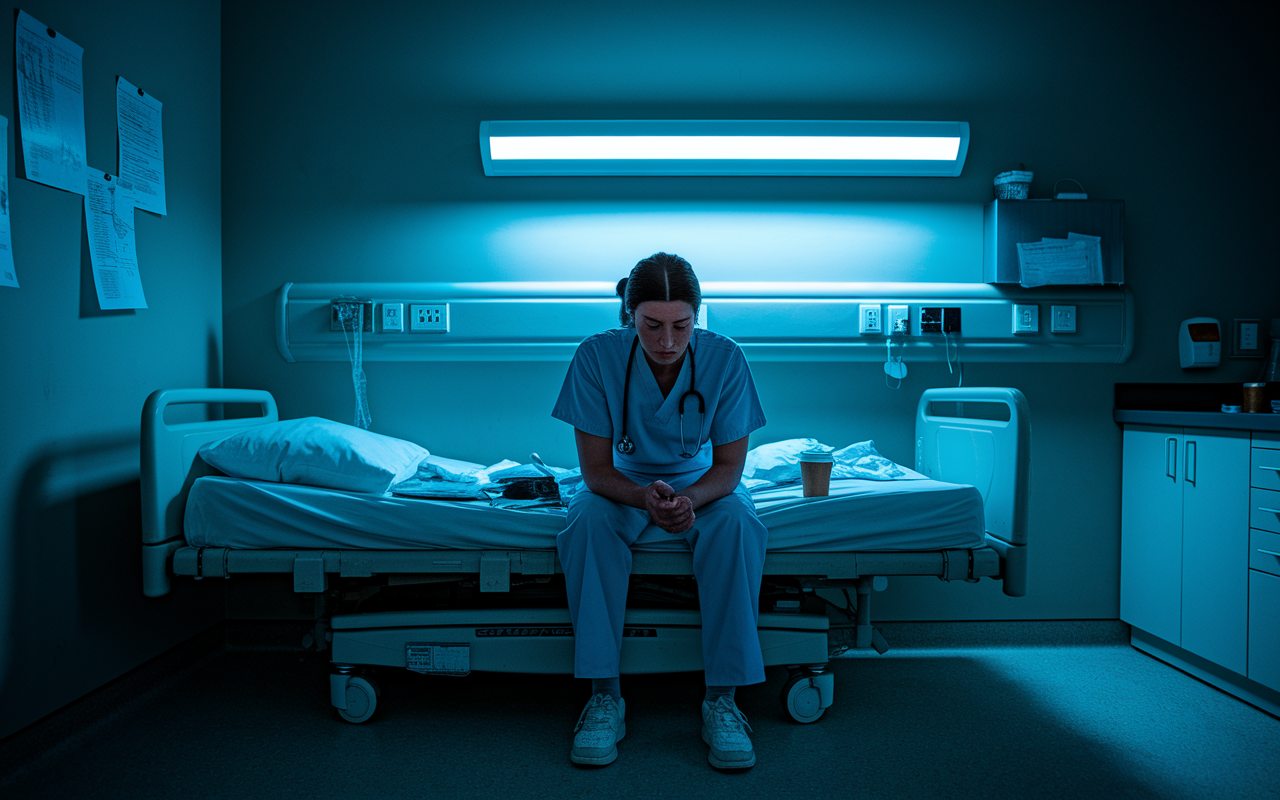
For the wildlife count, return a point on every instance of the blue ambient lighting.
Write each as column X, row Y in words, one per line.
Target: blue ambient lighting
column 724, row 147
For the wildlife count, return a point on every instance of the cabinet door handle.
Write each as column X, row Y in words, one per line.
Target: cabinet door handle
column 1190, row 470
column 1269, row 552
column 1171, row 458
column 1273, row 469
column 1269, row 510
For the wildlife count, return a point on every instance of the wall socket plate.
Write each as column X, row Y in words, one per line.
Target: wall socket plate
column 429, row 318
column 1247, row 338
column 869, row 320
column 393, row 317
column 1026, row 318
column 1062, row 319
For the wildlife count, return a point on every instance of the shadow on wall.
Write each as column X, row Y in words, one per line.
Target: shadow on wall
column 77, row 533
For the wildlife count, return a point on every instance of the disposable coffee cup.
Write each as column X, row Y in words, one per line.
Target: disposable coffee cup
column 815, row 472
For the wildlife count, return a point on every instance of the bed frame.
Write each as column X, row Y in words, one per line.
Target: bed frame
column 958, row 440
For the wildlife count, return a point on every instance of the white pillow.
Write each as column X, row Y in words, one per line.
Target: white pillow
column 316, row 452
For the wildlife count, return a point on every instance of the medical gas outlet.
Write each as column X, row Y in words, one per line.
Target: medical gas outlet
column 899, row 320
column 429, row 318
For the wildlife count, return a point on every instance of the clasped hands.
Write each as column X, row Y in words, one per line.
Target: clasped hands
column 673, row 513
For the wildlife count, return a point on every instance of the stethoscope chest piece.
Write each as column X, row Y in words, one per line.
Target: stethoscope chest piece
column 626, row 446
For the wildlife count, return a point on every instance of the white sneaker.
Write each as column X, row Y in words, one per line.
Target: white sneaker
column 600, row 727
column 722, row 729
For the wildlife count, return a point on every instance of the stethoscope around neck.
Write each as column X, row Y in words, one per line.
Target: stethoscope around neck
column 625, row 446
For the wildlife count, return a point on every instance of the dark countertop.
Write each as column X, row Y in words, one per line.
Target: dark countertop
column 1192, row 405
column 1200, row 419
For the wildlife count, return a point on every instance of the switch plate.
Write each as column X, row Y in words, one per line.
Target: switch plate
column 1063, row 319
column 869, row 318
column 393, row 317
column 1247, row 342
column 899, row 320
column 429, row 318
column 1026, row 318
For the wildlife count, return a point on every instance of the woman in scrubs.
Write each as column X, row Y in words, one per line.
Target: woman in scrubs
column 661, row 414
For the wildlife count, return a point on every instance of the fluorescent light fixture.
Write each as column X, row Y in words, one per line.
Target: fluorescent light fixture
column 723, row 147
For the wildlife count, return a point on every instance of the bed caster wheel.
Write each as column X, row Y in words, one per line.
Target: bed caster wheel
column 803, row 696
column 362, row 699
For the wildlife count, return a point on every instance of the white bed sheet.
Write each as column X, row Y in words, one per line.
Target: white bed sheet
column 859, row 515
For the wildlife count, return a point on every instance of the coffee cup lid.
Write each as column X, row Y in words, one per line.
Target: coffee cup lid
column 817, row 456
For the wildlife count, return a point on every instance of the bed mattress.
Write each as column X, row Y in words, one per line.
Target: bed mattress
column 859, row 515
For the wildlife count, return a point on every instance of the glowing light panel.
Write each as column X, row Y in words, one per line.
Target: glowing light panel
column 723, row 147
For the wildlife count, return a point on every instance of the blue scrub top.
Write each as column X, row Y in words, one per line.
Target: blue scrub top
column 591, row 401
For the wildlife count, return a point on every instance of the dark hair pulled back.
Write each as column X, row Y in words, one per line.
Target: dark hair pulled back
column 662, row 277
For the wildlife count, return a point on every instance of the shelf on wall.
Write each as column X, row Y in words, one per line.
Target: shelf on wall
column 1005, row 223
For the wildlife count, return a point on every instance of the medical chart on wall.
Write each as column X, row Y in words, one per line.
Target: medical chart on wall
column 50, row 78
column 141, row 144
column 8, row 277
column 108, row 214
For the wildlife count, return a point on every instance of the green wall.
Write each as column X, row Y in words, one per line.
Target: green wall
column 72, row 614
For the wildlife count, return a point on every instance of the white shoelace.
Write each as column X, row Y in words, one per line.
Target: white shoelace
column 732, row 718
column 604, row 707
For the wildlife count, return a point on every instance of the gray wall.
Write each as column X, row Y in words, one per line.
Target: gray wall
column 351, row 155
column 72, row 614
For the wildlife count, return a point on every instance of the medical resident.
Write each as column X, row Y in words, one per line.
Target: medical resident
column 661, row 413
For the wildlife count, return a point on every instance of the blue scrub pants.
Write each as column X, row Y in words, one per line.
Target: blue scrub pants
column 728, row 544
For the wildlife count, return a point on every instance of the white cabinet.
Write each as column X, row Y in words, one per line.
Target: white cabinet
column 1264, row 562
column 1184, row 549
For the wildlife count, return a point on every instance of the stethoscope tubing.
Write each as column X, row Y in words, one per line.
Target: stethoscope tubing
column 625, row 446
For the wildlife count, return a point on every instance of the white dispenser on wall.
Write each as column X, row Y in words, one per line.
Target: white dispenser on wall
column 1199, row 343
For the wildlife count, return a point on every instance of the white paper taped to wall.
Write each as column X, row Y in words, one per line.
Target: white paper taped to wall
column 50, row 77
column 8, row 275
column 108, row 215
column 141, row 144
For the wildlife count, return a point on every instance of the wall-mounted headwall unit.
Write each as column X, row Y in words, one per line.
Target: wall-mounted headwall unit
column 545, row 321
column 723, row 147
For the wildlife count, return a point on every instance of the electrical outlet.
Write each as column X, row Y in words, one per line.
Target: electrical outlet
column 1026, row 318
column 429, row 318
column 393, row 317
column 869, row 318
column 1063, row 319
column 900, row 320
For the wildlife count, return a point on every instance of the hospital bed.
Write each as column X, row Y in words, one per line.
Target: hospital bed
column 444, row 588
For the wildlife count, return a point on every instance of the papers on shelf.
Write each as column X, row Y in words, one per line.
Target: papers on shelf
column 1073, row 260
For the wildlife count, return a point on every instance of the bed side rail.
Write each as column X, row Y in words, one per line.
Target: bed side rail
column 168, row 451
column 958, row 440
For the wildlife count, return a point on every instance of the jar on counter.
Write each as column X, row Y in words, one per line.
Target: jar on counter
column 1253, row 393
